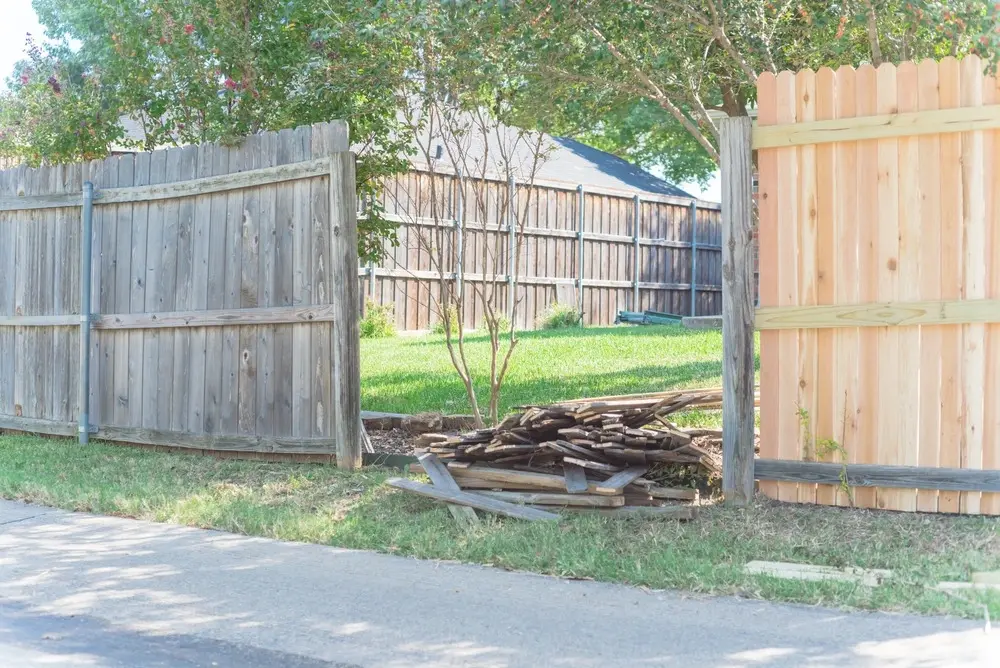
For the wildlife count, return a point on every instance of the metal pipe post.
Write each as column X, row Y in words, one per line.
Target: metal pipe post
column 579, row 243
column 83, row 427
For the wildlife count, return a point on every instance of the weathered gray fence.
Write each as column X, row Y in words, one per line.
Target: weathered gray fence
column 625, row 251
column 223, row 297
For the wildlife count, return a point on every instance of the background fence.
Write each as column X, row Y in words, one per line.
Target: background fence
column 222, row 289
column 880, row 281
column 629, row 251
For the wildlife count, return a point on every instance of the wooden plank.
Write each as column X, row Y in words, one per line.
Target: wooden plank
column 767, row 243
column 105, row 254
column 60, row 390
column 184, row 296
column 575, row 478
column 155, row 173
column 8, row 282
column 209, row 185
column 166, row 292
column 38, row 320
column 949, row 78
column 40, row 426
column 440, row 477
column 974, row 230
column 41, row 201
column 845, row 277
column 346, row 353
column 597, row 466
column 879, row 475
column 806, row 229
column 265, row 293
column 888, row 284
column 246, row 421
column 867, row 188
column 324, row 140
column 137, row 297
column 882, row 314
column 907, row 445
column 227, row 442
column 990, row 503
column 881, row 126
column 302, row 362
column 647, row 512
column 123, row 296
column 283, row 289
column 472, row 500
column 737, row 312
column 787, row 189
column 551, row 499
column 219, row 248
column 778, row 569
column 827, row 206
column 481, row 477
column 197, row 362
column 617, row 483
column 929, row 155
column 229, row 408
column 677, row 493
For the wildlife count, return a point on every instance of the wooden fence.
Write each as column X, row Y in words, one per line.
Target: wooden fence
column 570, row 236
column 222, row 297
column 880, row 287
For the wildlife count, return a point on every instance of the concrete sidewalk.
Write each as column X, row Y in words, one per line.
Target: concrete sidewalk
column 84, row 590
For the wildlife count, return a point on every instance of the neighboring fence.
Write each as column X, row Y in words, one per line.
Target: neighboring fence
column 222, row 297
column 621, row 265
column 880, row 286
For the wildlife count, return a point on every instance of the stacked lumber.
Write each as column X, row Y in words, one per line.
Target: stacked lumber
column 589, row 454
column 607, row 434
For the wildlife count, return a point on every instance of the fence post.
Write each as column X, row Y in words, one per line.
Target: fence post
column 635, row 253
column 344, row 300
column 511, row 247
column 737, row 311
column 86, row 258
column 579, row 243
column 694, row 258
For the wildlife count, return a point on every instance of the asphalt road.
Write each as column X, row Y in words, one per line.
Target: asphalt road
column 81, row 590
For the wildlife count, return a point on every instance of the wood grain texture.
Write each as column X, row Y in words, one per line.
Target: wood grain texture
column 887, row 314
column 767, row 244
column 575, row 479
column 737, row 312
column 617, row 483
column 440, row 477
column 472, row 500
column 880, row 126
column 344, row 298
column 880, row 475
column 553, row 499
column 990, row 502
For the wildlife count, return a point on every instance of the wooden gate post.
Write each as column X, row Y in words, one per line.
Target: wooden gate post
column 737, row 311
column 344, row 299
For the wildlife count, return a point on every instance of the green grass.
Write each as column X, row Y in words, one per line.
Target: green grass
column 414, row 374
column 319, row 504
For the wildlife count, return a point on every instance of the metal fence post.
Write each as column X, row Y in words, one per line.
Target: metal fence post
column 635, row 253
column 579, row 243
column 511, row 248
column 694, row 257
column 86, row 249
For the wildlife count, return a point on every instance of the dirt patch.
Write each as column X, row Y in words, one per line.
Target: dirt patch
column 391, row 441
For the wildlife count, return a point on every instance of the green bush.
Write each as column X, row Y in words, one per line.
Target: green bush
column 452, row 314
column 379, row 321
column 559, row 316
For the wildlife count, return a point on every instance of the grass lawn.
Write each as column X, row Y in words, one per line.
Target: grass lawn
column 413, row 374
column 319, row 504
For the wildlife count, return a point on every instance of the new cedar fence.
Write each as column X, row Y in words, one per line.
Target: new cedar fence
column 223, row 297
column 628, row 251
column 879, row 288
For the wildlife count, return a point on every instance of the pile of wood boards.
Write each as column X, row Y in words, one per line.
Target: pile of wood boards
column 605, row 434
column 590, row 454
